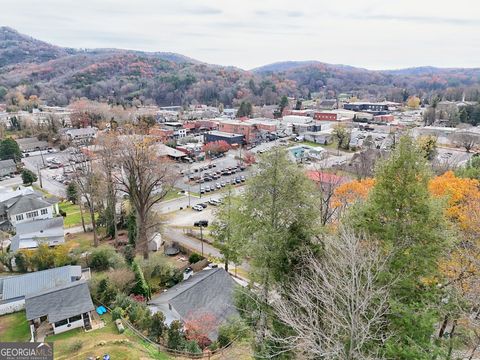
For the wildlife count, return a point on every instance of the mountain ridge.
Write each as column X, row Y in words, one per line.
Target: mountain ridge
column 59, row 75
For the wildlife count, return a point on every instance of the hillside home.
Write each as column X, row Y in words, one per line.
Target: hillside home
column 30, row 235
column 7, row 167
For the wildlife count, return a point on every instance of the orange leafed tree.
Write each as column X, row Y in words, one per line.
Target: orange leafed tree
column 463, row 200
column 198, row 325
column 351, row 192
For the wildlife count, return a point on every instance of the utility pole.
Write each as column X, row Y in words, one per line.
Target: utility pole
column 39, row 176
column 201, row 237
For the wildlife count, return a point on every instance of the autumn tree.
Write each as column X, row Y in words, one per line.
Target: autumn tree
column 349, row 193
column 428, row 144
column 199, row 325
column 413, row 102
column 146, row 178
column 216, row 147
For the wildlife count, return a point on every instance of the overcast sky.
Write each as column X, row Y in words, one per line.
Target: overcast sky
column 249, row 33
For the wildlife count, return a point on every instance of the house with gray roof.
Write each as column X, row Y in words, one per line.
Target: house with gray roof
column 31, row 144
column 26, row 207
column 209, row 291
column 33, row 233
column 7, row 167
column 14, row 289
column 60, row 309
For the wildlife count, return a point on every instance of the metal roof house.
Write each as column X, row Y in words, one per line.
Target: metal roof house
column 14, row 289
column 209, row 291
column 60, row 309
column 33, row 233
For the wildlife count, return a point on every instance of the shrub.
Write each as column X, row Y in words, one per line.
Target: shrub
column 103, row 258
column 157, row 326
column 22, row 261
column 122, row 279
column 62, row 213
column 129, row 253
column 175, row 338
column 192, row 347
column 117, row 313
column 235, row 328
column 75, row 346
column 62, row 147
column 213, row 346
column 195, row 258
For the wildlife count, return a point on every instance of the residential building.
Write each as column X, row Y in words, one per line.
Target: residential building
column 325, row 116
column 59, row 309
column 33, row 233
column 14, row 289
column 25, row 208
column 209, row 292
column 31, row 144
column 7, row 167
column 82, row 135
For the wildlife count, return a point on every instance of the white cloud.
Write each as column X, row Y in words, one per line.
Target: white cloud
column 374, row 34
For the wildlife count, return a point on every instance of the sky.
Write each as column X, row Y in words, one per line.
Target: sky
column 374, row 34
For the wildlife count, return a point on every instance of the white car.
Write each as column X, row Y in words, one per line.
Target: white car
column 213, row 202
column 197, row 207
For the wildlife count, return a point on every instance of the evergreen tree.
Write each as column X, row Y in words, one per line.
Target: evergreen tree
column 28, row 177
column 9, row 149
column 141, row 286
column 72, row 194
column 403, row 216
column 245, row 109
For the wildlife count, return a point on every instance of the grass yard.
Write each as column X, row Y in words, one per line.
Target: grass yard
column 173, row 194
column 80, row 242
column 78, row 344
column 73, row 217
column 14, row 327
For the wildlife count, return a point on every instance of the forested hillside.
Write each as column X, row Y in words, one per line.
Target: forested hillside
column 59, row 75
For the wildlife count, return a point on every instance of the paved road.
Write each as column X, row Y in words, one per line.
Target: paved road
column 10, row 182
column 175, row 234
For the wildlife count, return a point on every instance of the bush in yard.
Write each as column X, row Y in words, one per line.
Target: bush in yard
column 157, row 326
column 194, row 258
column 62, row 213
column 192, row 347
column 213, row 346
column 175, row 338
column 122, row 279
column 158, row 272
column 72, row 193
column 23, row 261
column 117, row 313
column 139, row 315
column 235, row 328
column 103, row 258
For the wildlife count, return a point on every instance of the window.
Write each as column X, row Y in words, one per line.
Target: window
column 75, row 318
column 61, row 323
column 19, row 217
column 44, row 211
column 32, row 214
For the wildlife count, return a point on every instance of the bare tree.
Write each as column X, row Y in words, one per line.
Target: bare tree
column 325, row 183
column 337, row 307
column 146, row 177
column 107, row 152
column 465, row 139
column 88, row 183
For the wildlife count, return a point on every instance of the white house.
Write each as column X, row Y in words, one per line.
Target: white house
column 29, row 235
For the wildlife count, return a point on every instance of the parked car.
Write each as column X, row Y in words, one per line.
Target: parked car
column 202, row 223
column 218, row 186
column 197, row 207
column 207, row 189
column 203, row 205
column 213, row 202
column 222, row 184
column 202, row 190
column 242, row 178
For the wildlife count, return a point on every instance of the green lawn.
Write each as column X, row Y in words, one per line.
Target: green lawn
column 74, row 217
column 106, row 340
column 173, row 194
column 14, row 327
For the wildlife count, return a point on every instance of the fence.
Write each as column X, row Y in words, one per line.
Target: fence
column 173, row 352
